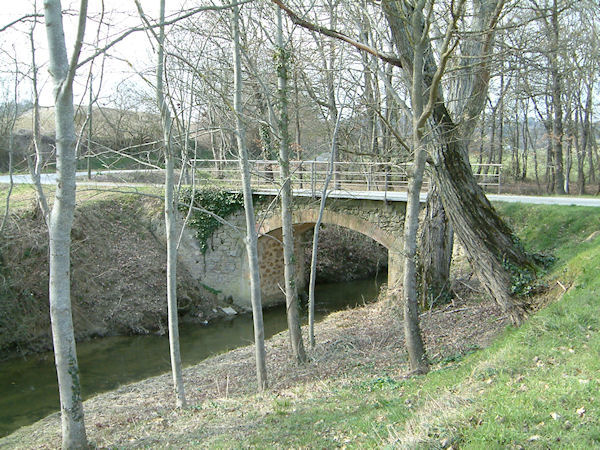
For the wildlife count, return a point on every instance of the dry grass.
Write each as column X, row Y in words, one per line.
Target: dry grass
column 116, row 288
column 221, row 389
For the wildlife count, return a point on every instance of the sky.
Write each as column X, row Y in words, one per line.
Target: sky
column 134, row 54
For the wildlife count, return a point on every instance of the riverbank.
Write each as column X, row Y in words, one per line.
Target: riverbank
column 118, row 271
column 356, row 344
column 535, row 386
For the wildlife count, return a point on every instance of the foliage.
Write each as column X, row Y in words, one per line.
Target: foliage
column 216, row 201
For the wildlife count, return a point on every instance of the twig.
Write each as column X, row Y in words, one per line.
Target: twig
column 456, row 310
column 469, row 287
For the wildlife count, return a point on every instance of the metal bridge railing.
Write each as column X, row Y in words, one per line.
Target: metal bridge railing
column 311, row 175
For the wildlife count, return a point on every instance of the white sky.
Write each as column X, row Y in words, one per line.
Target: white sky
column 128, row 57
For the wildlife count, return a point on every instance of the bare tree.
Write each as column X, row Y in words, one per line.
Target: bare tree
column 170, row 206
column 418, row 23
column 492, row 248
column 10, row 111
column 291, row 290
column 62, row 70
column 170, row 217
column 251, row 235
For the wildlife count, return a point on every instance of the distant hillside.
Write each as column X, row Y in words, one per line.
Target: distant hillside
column 112, row 129
column 106, row 122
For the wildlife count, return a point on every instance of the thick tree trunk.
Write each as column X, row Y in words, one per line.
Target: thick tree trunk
column 435, row 252
column 60, row 224
column 251, row 236
column 491, row 247
column 489, row 243
column 291, row 290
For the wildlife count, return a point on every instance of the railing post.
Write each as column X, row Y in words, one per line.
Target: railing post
column 312, row 179
column 499, row 177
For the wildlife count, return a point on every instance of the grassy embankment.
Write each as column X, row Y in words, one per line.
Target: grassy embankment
column 536, row 386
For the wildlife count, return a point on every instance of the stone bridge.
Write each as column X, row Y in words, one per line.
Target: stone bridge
column 224, row 267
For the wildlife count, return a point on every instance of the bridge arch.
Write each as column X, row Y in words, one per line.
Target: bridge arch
column 310, row 216
column 222, row 266
column 271, row 251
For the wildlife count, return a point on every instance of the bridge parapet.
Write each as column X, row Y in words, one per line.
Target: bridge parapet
column 310, row 176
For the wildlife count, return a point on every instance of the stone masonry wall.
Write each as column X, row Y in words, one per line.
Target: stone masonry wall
column 224, row 266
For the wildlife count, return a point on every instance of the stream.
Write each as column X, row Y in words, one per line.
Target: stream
column 28, row 387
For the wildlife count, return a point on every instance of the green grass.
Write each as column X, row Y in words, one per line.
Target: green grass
column 530, row 388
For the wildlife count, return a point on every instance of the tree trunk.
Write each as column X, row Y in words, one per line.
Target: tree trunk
column 489, row 242
column 491, row 247
column 588, row 129
column 580, row 151
column 481, row 136
column 491, row 156
column 170, row 221
column 35, row 168
column 516, row 141
column 501, row 124
column 435, row 252
column 586, row 148
column 291, row 290
column 251, row 236
column 525, row 134
column 60, row 224
column 557, row 123
column 410, row 303
column 315, row 241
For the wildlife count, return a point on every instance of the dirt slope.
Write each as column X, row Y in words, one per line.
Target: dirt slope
column 118, row 276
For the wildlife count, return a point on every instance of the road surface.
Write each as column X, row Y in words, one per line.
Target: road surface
column 50, row 178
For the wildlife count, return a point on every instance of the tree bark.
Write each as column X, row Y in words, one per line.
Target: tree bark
column 491, row 247
column 315, row 240
column 557, row 88
column 435, row 252
column 35, row 168
column 60, row 224
column 291, row 289
column 251, row 236
column 170, row 221
column 410, row 304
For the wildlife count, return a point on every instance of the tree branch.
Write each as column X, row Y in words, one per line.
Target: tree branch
column 156, row 25
column 20, row 19
column 78, row 43
column 295, row 18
